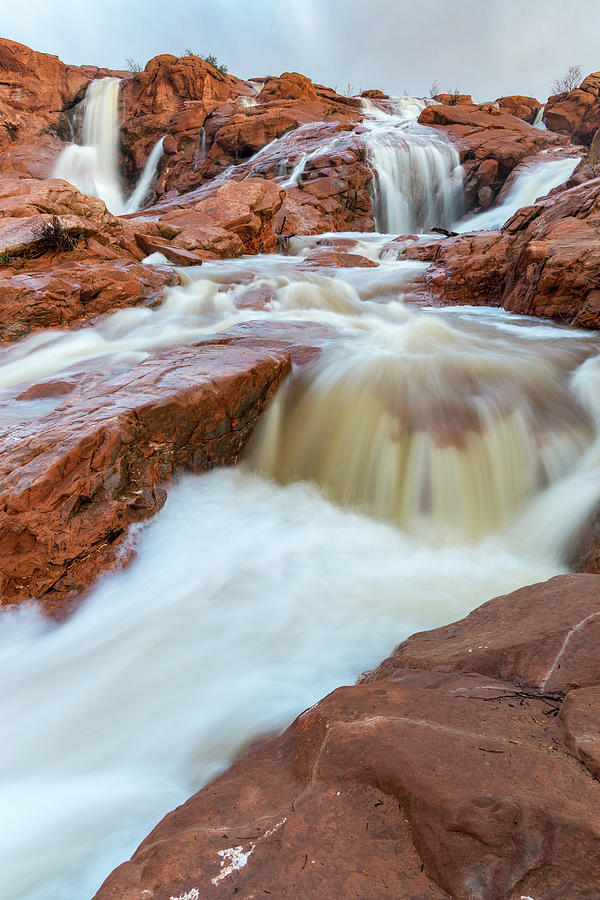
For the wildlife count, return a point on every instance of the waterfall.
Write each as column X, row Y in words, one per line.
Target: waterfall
column 201, row 154
column 427, row 461
column 93, row 167
column 533, row 180
column 419, row 426
column 418, row 182
column 538, row 122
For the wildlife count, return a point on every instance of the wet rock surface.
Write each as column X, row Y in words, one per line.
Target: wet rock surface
column 464, row 766
column 75, row 479
column 491, row 141
column 543, row 262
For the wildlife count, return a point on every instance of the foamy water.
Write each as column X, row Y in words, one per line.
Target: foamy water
column 428, row 461
column 406, row 478
column 247, row 603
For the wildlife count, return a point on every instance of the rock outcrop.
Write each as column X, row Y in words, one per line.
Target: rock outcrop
column 544, row 262
column 491, row 142
column 577, row 112
column 74, row 480
column 525, row 108
column 38, row 92
column 464, row 766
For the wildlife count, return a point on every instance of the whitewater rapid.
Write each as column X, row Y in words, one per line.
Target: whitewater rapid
column 429, row 460
column 394, row 484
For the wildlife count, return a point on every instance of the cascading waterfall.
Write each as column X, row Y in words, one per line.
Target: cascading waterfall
column 93, row 167
column 426, row 461
column 538, row 122
column 533, row 180
column 419, row 180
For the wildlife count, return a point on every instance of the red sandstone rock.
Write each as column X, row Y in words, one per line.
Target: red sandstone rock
column 73, row 481
column 455, row 99
column 176, row 255
column 289, row 86
column 71, row 293
column 375, row 95
column 487, row 136
column 544, row 262
column 577, row 112
column 36, row 92
column 442, row 776
column 525, row 108
column 322, row 257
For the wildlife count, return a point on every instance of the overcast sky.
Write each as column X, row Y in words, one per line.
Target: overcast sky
column 482, row 47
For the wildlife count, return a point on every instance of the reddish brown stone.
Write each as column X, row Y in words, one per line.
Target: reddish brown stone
column 289, row 86
column 176, row 255
column 75, row 480
column 525, row 108
column 336, row 259
column 483, row 134
column 577, row 112
column 71, row 293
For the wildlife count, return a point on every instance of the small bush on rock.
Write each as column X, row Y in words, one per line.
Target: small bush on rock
column 53, row 237
column 209, row 58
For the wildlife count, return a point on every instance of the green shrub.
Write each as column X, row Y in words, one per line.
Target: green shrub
column 209, row 58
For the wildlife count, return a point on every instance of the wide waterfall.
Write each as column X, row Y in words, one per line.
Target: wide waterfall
column 419, row 180
column 423, row 462
column 93, row 166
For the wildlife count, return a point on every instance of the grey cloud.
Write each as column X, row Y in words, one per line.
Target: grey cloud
column 482, row 47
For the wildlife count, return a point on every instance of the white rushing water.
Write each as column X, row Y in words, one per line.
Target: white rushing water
column 533, row 180
column 93, row 167
column 419, row 179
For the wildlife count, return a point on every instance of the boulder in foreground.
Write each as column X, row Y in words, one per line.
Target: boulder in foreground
column 457, row 769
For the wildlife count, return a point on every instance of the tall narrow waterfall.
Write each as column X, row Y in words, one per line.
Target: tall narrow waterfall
column 419, row 179
column 93, row 167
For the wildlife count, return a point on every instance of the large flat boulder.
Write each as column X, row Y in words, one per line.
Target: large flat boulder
column 75, row 479
column 456, row 769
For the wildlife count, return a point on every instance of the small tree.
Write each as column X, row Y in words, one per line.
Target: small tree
column 209, row 58
column 571, row 80
column 435, row 88
column 132, row 65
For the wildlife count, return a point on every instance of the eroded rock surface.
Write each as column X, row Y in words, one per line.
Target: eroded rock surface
column 543, row 262
column 577, row 112
column 491, row 141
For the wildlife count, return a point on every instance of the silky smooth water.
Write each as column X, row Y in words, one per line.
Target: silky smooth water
column 93, row 166
column 393, row 485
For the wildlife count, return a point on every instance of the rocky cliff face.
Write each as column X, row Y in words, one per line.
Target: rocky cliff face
column 577, row 112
